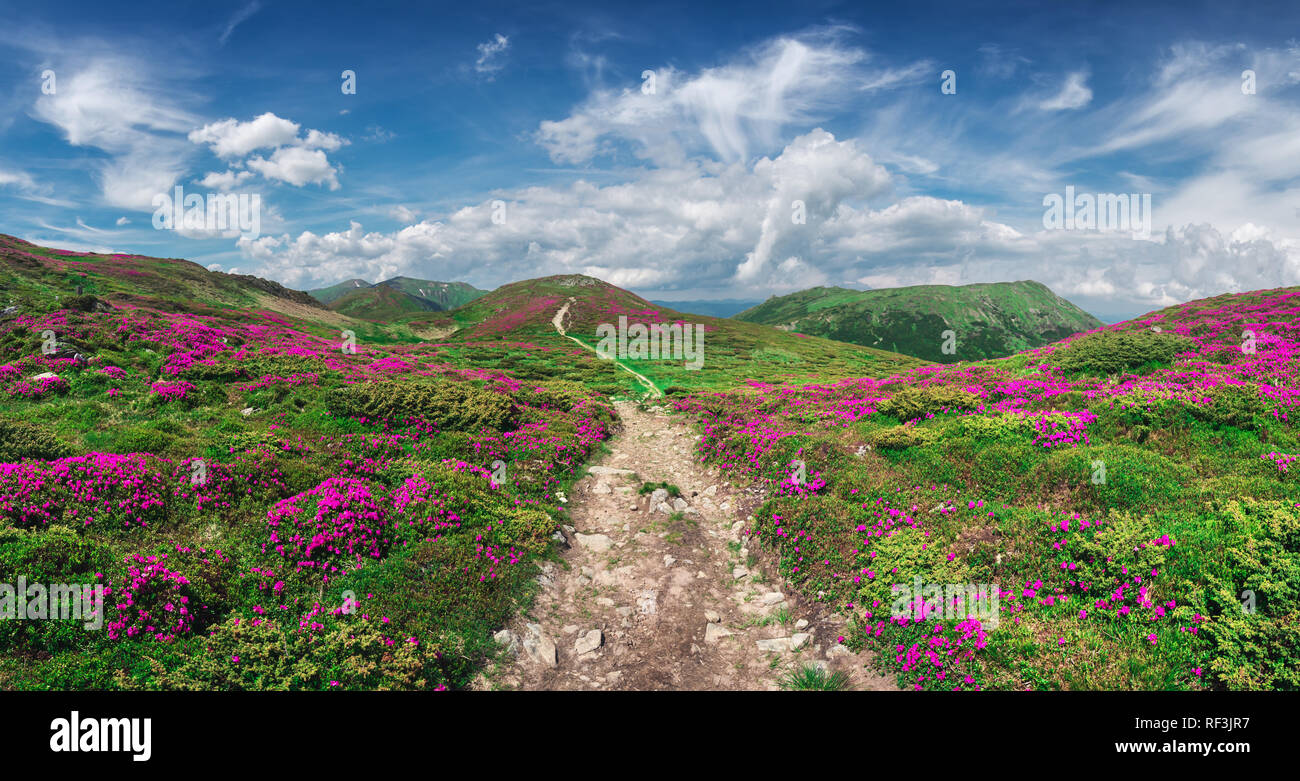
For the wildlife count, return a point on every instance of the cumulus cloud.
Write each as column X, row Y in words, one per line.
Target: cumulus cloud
column 224, row 180
column 295, row 160
column 403, row 213
column 297, row 166
column 232, row 138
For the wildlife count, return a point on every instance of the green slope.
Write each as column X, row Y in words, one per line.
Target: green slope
column 989, row 320
column 735, row 352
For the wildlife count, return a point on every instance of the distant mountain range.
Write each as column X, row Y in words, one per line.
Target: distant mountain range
column 393, row 297
column 725, row 307
column 987, row 320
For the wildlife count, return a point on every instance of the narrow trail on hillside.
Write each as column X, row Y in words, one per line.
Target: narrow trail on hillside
column 558, row 322
column 661, row 592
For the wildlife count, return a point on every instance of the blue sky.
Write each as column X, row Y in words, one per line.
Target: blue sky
column 539, row 114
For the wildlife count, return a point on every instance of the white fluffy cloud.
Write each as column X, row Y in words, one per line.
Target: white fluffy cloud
column 295, row 160
column 297, row 166
column 224, row 180
column 232, row 138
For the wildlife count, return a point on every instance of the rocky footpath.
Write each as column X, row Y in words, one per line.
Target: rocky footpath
column 658, row 590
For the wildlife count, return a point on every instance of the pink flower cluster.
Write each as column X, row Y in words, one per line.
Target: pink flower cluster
column 156, row 601
column 1281, row 460
column 339, row 522
column 172, row 391
column 1061, row 428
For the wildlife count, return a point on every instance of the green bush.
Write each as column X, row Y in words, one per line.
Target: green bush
column 142, row 439
column 55, row 554
column 997, row 426
column 1111, row 352
column 241, row 655
column 1254, row 590
column 557, row 394
column 1233, row 405
column 899, row 437
column 912, row 403
column 450, row 405
column 20, row 439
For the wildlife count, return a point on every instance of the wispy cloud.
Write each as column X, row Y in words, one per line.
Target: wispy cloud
column 728, row 112
column 241, row 16
column 491, row 56
column 1074, row 94
column 114, row 105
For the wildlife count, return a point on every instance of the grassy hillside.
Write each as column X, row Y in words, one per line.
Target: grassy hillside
column 989, row 320
column 734, row 352
column 212, row 450
column 1126, row 492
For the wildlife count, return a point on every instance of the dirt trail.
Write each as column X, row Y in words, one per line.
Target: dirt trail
column 661, row 593
column 558, row 322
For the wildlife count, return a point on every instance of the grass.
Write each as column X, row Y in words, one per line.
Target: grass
column 807, row 677
column 649, row 488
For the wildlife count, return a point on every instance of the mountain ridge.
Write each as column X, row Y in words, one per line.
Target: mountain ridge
column 987, row 319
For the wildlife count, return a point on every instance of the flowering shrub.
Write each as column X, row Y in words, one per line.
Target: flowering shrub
column 1062, row 428
column 338, row 523
column 37, row 388
column 156, row 601
column 105, row 488
column 178, row 390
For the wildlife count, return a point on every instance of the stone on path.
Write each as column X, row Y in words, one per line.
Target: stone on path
column 715, row 632
column 608, row 470
column 597, row 543
column 509, row 639
column 539, row 647
column 588, row 642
